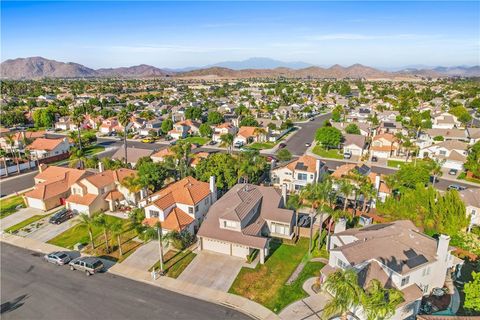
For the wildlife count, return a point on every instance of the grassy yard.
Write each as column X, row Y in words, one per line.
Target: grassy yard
column 9, row 205
column 91, row 150
column 261, row 145
column 463, row 176
column 24, row 223
column 175, row 262
column 197, row 140
column 266, row 283
column 78, row 234
column 332, row 153
column 395, row 163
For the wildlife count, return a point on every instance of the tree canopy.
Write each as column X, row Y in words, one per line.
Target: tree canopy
column 329, row 137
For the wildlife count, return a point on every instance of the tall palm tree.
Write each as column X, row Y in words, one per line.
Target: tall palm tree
column 101, row 221
column 117, row 230
column 156, row 232
column 369, row 192
column 227, row 141
column 312, row 194
column 346, row 188
column 379, row 303
column 133, row 184
column 11, row 142
column 3, row 154
column 182, row 152
column 260, row 132
column 77, row 158
column 88, row 222
column 78, row 118
column 124, row 118
column 436, row 171
column 347, row 294
column 294, row 203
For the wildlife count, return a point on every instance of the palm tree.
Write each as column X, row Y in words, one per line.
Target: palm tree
column 124, row 119
column 77, row 157
column 27, row 155
column 294, row 203
column 117, row 230
column 182, row 151
column 88, row 222
column 436, row 170
column 78, row 118
column 312, row 193
column 11, row 142
column 347, row 294
column 101, row 221
column 156, row 233
column 260, row 132
column 368, row 191
column 379, row 303
column 227, row 141
column 133, row 184
column 3, row 154
column 346, row 188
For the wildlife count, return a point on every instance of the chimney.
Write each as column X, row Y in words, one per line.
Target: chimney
column 377, row 182
column 101, row 167
column 318, row 166
column 340, row 225
column 213, row 188
column 284, row 195
column 42, row 167
column 442, row 245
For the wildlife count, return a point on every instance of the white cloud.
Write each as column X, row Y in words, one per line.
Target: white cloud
column 356, row 36
column 170, row 49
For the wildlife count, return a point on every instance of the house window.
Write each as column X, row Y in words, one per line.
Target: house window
column 426, row 271
column 196, row 209
column 311, row 176
column 405, row 280
column 298, row 187
column 443, row 152
column 190, row 210
column 341, row 264
column 207, row 201
column 302, row 176
column 229, row 224
column 154, row 213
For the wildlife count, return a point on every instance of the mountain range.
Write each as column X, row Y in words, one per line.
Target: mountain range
column 38, row 67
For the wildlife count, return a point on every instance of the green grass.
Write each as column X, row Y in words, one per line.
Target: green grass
column 261, row 145
column 265, row 284
column 24, row 223
column 331, row 153
column 197, row 140
column 91, row 150
column 395, row 163
column 175, row 264
column 8, row 206
column 77, row 234
column 463, row 176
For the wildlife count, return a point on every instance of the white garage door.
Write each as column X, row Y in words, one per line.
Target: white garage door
column 77, row 208
column 36, row 203
column 239, row 251
column 216, row 246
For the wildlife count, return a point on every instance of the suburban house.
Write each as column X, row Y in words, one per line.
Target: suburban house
column 222, row 129
column 365, row 128
column 52, row 186
column 354, row 144
column 384, row 145
column 181, row 206
column 65, row 123
column 397, row 254
column 471, row 198
column 152, row 127
column 102, row 191
column 161, row 155
column 110, row 125
column 243, row 219
column 20, row 139
column 183, row 128
column 445, row 120
column 298, row 173
column 133, row 154
column 43, row 148
column 359, row 115
column 452, row 154
column 248, row 135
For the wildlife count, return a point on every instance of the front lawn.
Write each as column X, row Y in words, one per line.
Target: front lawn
column 463, row 176
column 265, row 284
column 91, row 150
column 395, row 163
column 24, row 223
column 175, row 262
column 261, row 145
column 9, row 205
column 197, row 140
column 331, row 153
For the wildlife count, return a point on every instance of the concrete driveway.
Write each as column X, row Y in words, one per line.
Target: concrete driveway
column 50, row 231
column 144, row 257
column 308, row 308
column 216, row 271
column 19, row 216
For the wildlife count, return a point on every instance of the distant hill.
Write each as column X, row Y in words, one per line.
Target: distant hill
column 259, row 63
column 38, row 67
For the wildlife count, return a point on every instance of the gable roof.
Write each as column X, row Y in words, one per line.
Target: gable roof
column 187, row 191
column 108, row 177
column 45, row 144
column 133, row 154
column 304, row 163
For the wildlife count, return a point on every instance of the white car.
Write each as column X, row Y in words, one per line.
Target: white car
column 58, row 257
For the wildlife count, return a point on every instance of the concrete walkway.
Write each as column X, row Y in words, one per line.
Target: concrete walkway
column 50, row 231
column 19, row 216
column 241, row 304
column 144, row 257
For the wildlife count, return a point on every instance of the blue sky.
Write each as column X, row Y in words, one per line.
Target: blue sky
column 181, row 34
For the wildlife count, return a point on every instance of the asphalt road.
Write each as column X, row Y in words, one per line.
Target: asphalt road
column 296, row 144
column 34, row 289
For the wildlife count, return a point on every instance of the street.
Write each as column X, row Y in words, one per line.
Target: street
column 306, row 133
column 35, row 289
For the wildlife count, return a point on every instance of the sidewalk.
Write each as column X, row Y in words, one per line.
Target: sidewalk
column 238, row 303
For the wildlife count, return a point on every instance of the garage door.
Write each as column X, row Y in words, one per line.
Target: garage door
column 239, row 251
column 216, row 246
column 36, row 203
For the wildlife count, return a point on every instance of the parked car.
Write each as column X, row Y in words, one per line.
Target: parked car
column 58, row 257
column 374, row 159
column 174, row 142
column 347, row 155
column 148, row 140
column 456, row 187
column 308, row 144
column 311, row 119
column 281, row 145
column 212, row 142
column 238, row 144
column 89, row 265
column 453, row 172
column 61, row 216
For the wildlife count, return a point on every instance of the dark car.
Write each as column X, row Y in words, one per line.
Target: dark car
column 61, row 216
column 374, row 159
column 453, row 172
column 212, row 142
column 282, row 145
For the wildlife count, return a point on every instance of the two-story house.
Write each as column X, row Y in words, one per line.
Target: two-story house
column 244, row 219
column 445, row 120
column 181, row 205
column 384, row 146
column 298, row 173
column 222, row 129
column 110, row 125
column 452, row 154
column 183, row 128
column 43, row 148
column 471, row 198
column 151, row 127
column 102, row 191
column 397, row 254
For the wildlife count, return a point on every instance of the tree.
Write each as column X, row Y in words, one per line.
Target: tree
column 379, row 303
column 347, row 294
column 294, row 202
column 249, row 121
column 124, row 119
column 88, row 222
column 352, row 128
column 100, row 220
column 227, row 141
column 368, row 191
column 329, row 137
column 205, row 130
column 156, row 232
column 461, row 113
column 284, row 155
column 346, row 188
column 77, row 158
column 214, row 117
column 152, row 175
column 472, row 293
column 11, row 142
column 78, row 117
column 181, row 153
column 117, row 230
column 193, row 113
column 473, row 160
column 167, row 125
column 222, row 166
column 409, row 175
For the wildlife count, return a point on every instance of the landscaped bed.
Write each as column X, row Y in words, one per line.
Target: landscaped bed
column 266, row 283
column 9, row 206
column 175, row 262
column 331, row 153
column 197, row 140
column 261, row 145
column 15, row 228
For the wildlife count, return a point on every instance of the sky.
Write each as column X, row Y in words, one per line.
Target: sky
column 184, row 34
